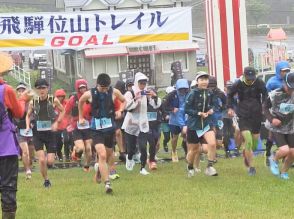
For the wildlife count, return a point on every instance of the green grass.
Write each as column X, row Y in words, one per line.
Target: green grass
column 166, row 193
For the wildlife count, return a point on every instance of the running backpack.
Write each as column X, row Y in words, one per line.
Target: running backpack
column 3, row 111
column 50, row 108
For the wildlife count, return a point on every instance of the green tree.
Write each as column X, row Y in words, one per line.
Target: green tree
column 256, row 9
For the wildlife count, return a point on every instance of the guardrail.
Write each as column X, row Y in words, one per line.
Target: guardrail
column 21, row 75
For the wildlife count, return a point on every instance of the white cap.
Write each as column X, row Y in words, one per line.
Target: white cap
column 200, row 74
column 169, row 89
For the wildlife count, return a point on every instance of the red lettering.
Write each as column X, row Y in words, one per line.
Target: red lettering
column 57, row 41
column 92, row 40
column 105, row 41
column 75, row 41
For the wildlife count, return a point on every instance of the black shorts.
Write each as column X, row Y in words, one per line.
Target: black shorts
column 250, row 124
column 192, row 137
column 47, row 138
column 106, row 138
column 119, row 123
column 175, row 130
column 82, row 134
column 284, row 139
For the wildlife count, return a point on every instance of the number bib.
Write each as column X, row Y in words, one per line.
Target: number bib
column 200, row 133
column 152, row 116
column 103, row 123
column 86, row 125
column 286, row 108
column 43, row 126
column 26, row 134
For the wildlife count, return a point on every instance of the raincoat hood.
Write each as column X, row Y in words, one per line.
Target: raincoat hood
column 80, row 82
column 138, row 77
column 182, row 83
column 281, row 65
column 59, row 93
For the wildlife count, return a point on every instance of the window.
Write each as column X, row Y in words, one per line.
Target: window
column 110, row 65
column 59, row 61
column 168, row 58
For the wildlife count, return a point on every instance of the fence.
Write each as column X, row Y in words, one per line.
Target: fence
column 21, row 75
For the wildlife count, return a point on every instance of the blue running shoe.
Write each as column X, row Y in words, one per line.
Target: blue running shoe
column 274, row 167
column 284, row 176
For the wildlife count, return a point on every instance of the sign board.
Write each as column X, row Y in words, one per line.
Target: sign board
column 80, row 30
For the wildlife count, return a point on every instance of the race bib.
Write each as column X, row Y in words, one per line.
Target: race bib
column 23, row 133
column 152, row 116
column 86, row 125
column 201, row 132
column 220, row 124
column 286, row 108
column 103, row 123
column 43, row 126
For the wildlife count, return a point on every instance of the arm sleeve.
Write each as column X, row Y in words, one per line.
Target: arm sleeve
column 15, row 106
column 266, row 109
column 231, row 94
column 155, row 104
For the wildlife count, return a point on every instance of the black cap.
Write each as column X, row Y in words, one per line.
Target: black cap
column 289, row 80
column 130, row 81
column 21, row 85
column 41, row 83
column 250, row 73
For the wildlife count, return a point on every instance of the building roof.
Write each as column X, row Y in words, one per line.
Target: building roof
column 76, row 3
column 276, row 35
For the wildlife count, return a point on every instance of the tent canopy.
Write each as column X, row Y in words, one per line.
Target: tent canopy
column 276, row 35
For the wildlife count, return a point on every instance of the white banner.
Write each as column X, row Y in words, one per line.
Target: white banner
column 79, row 30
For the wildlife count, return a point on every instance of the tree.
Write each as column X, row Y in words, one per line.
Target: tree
column 257, row 9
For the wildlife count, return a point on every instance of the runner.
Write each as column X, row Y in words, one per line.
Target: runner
column 251, row 94
column 61, row 134
column 175, row 101
column 275, row 82
column 199, row 107
column 81, row 132
column 102, row 99
column 136, row 121
column 153, row 137
column 45, row 124
column 24, row 138
column 10, row 107
column 279, row 111
column 165, row 120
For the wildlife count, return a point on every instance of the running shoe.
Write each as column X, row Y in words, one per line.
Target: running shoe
column 284, row 176
column 122, row 157
column 266, row 160
column 211, row 171
column 246, row 163
column 28, row 174
column 152, row 165
column 175, row 157
column 47, row 183
column 130, row 164
column 97, row 176
column 113, row 175
column 108, row 188
column 274, row 167
column 144, row 172
column 191, row 172
column 252, row 171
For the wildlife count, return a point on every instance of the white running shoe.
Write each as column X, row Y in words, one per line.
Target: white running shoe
column 210, row 171
column 96, row 166
column 28, row 174
column 144, row 172
column 130, row 164
column 191, row 173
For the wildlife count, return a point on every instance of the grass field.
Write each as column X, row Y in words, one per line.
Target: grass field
column 166, row 193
